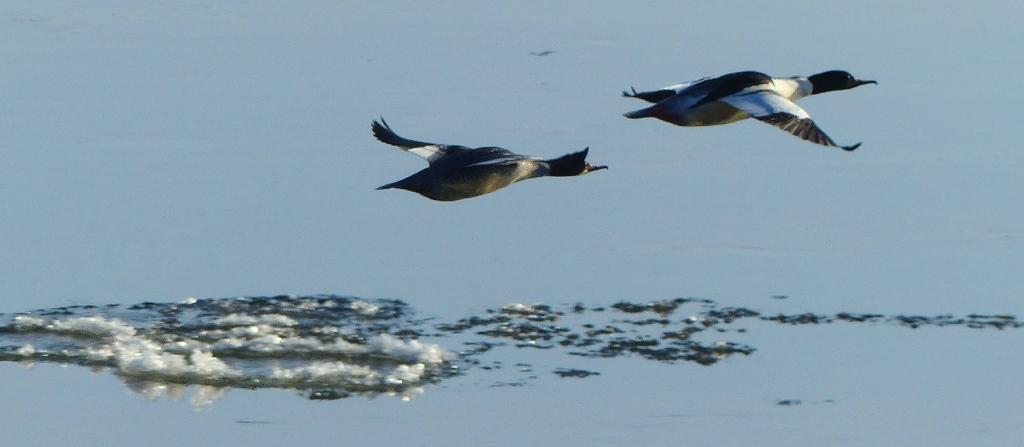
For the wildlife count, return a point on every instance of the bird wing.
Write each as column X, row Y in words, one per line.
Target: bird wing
column 431, row 152
column 730, row 84
column 769, row 107
column 481, row 156
column 707, row 90
column 661, row 93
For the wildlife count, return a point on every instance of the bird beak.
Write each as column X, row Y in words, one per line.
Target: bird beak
column 859, row 83
column 595, row 168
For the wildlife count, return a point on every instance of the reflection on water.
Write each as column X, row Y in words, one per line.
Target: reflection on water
column 332, row 347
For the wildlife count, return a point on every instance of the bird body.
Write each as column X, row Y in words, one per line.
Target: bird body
column 469, row 181
column 459, row 172
column 737, row 96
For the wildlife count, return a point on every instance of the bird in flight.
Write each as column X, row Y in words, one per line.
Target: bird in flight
column 459, row 172
column 736, row 96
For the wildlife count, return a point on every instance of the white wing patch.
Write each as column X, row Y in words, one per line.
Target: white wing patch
column 431, row 153
column 498, row 161
column 759, row 103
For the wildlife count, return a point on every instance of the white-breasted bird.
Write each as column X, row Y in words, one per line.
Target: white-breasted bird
column 736, row 96
column 459, row 172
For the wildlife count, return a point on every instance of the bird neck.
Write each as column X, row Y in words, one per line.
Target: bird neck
column 804, row 88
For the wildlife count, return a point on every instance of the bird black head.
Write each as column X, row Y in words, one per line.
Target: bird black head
column 834, row 80
column 572, row 164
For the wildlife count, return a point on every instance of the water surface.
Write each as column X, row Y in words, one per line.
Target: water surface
column 161, row 152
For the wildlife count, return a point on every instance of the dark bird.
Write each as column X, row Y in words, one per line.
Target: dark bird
column 459, row 172
column 736, row 96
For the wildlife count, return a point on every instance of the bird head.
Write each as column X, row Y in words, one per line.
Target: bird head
column 572, row 164
column 835, row 80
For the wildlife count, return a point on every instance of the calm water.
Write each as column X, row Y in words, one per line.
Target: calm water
column 160, row 152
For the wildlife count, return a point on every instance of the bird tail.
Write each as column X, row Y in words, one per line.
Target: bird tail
column 642, row 113
column 654, row 96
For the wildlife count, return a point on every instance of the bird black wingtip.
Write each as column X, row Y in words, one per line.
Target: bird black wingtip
column 383, row 133
column 850, row 148
column 379, row 124
column 376, row 124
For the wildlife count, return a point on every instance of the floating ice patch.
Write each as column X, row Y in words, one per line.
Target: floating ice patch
column 331, row 347
column 364, row 307
column 248, row 320
column 322, row 345
column 93, row 326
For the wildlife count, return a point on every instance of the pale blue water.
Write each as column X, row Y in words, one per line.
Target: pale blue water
column 157, row 152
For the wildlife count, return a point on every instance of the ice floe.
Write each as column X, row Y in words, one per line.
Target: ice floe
column 331, row 347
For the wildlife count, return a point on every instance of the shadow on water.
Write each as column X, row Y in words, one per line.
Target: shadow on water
column 332, row 347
